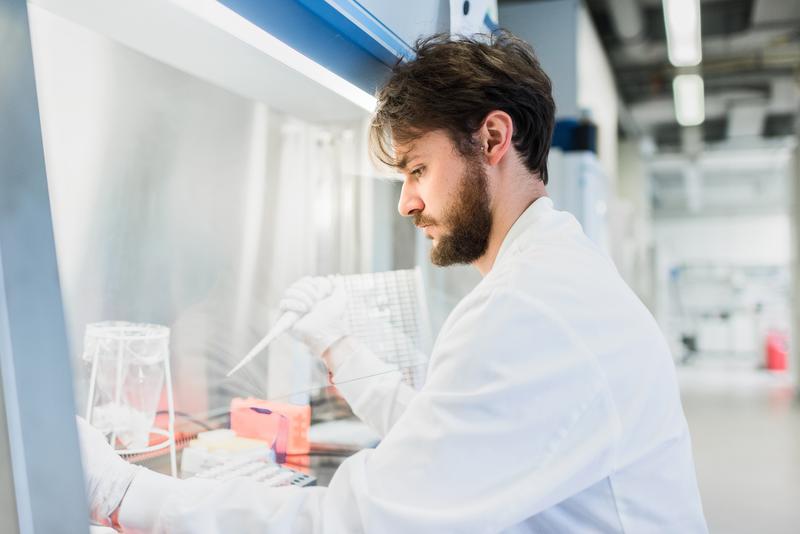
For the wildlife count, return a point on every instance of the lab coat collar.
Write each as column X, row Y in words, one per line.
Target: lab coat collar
column 535, row 211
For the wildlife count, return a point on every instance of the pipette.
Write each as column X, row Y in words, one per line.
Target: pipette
column 283, row 324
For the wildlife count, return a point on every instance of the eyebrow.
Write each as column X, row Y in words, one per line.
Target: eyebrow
column 406, row 158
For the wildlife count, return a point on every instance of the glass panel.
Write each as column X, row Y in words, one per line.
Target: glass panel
column 179, row 203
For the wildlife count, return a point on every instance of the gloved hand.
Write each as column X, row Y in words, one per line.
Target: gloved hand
column 107, row 476
column 321, row 301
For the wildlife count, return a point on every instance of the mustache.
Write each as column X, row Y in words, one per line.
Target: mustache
column 423, row 220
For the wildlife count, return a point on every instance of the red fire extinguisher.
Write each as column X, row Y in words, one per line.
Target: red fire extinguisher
column 777, row 348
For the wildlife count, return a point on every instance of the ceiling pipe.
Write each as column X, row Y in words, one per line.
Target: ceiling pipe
column 626, row 17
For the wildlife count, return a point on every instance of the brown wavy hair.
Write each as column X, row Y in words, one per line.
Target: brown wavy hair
column 453, row 83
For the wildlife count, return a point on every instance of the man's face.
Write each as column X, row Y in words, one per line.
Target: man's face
column 447, row 194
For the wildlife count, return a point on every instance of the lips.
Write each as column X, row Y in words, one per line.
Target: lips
column 424, row 225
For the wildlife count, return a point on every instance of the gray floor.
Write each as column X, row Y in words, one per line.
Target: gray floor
column 745, row 428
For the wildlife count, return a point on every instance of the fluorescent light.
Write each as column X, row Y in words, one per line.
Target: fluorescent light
column 682, row 20
column 225, row 18
column 689, row 99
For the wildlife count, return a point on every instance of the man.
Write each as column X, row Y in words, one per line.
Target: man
column 551, row 402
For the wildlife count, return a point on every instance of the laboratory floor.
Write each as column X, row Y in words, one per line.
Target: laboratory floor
column 745, row 426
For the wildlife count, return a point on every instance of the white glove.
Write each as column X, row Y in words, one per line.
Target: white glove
column 107, row 475
column 321, row 302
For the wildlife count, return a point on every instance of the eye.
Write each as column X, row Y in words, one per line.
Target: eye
column 417, row 173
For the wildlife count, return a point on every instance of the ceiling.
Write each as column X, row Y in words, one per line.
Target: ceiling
column 750, row 67
column 751, row 73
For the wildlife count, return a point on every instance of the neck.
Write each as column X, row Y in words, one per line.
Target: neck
column 508, row 206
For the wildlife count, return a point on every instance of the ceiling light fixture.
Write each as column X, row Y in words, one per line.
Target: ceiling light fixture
column 682, row 20
column 689, row 97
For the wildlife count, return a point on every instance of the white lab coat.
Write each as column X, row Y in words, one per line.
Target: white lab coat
column 551, row 406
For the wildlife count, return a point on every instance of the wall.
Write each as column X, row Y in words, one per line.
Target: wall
column 631, row 223
column 794, row 203
column 747, row 240
column 597, row 92
column 551, row 28
column 570, row 52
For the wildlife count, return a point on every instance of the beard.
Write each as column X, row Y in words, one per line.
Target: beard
column 468, row 219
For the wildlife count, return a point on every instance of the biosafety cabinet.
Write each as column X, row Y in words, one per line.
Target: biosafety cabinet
column 180, row 163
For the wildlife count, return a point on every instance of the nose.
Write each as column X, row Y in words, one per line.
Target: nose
column 410, row 201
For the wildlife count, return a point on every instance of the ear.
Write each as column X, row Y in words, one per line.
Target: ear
column 495, row 136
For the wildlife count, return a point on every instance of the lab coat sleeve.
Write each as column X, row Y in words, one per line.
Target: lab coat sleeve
column 516, row 417
column 374, row 389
